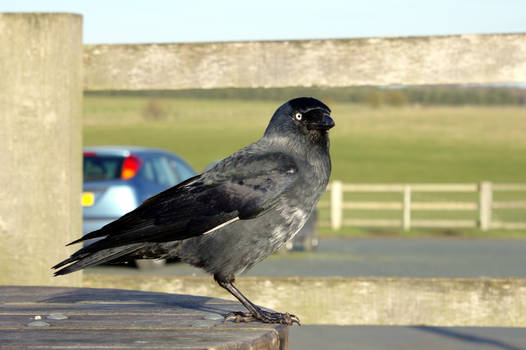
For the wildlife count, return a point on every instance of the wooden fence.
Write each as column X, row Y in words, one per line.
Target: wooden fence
column 484, row 205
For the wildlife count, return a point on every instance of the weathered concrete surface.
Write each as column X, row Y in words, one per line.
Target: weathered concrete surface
column 40, row 144
column 342, row 62
column 359, row 301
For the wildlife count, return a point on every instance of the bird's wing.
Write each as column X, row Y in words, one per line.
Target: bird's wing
column 238, row 188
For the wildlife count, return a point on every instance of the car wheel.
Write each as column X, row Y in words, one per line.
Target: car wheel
column 149, row 264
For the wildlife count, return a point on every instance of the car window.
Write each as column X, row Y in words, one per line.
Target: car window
column 164, row 174
column 181, row 169
column 101, row 167
column 146, row 171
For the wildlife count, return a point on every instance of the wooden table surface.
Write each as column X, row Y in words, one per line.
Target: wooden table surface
column 88, row 318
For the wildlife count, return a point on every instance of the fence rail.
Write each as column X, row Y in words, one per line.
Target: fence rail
column 406, row 205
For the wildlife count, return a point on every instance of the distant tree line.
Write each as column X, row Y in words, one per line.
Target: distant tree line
column 373, row 96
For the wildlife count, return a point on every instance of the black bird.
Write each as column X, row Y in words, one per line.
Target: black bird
column 234, row 215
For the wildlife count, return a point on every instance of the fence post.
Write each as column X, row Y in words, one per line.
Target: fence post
column 40, row 145
column 336, row 204
column 406, row 219
column 485, row 203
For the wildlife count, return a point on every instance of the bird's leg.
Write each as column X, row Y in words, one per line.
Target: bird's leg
column 255, row 312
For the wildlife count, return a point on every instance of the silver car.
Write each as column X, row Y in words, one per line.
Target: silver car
column 117, row 179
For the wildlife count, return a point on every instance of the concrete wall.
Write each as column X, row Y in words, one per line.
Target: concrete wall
column 343, row 62
column 40, row 144
column 495, row 302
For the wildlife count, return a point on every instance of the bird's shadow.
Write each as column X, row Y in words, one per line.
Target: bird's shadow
column 140, row 299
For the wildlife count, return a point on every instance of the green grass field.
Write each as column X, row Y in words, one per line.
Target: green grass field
column 383, row 145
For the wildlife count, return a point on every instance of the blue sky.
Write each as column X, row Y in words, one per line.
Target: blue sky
column 120, row 21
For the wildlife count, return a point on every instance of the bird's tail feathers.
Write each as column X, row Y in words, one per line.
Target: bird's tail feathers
column 81, row 261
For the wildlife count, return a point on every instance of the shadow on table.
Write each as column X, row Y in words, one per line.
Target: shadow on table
column 146, row 299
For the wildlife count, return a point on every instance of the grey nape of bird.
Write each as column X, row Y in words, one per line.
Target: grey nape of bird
column 234, row 215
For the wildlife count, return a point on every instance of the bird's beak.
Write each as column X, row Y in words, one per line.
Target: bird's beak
column 324, row 124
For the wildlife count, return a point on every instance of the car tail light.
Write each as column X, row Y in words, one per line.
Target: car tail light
column 89, row 154
column 130, row 167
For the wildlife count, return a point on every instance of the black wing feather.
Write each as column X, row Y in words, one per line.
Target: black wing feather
column 129, row 218
column 245, row 186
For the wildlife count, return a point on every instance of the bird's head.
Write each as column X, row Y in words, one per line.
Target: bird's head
column 301, row 116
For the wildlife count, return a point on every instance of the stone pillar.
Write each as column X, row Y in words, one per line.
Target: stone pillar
column 40, row 145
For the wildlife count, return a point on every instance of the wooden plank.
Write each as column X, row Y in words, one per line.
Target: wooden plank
column 414, row 223
column 130, row 338
column 444, row 223
column 509, row 187
column 336, row 205
column 414, row 187
column 125, row 319
column 406, row 211
column 139, row 321
column 485, row 204
column 428, row 187
column 362, row 301
column 444, row 187
column 110, row 309
column 509, row 205
column 444, row 206
column 339, row 62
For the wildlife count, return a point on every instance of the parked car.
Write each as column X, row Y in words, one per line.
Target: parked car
column 117, row 179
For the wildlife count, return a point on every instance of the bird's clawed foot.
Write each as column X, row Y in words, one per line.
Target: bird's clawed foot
column 263, row 316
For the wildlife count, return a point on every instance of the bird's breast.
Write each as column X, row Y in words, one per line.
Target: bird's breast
column 292, row 220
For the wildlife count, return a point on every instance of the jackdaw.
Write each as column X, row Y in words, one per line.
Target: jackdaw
column 234, row 215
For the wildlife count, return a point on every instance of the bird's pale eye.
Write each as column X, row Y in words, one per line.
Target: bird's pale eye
column 298, row 116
